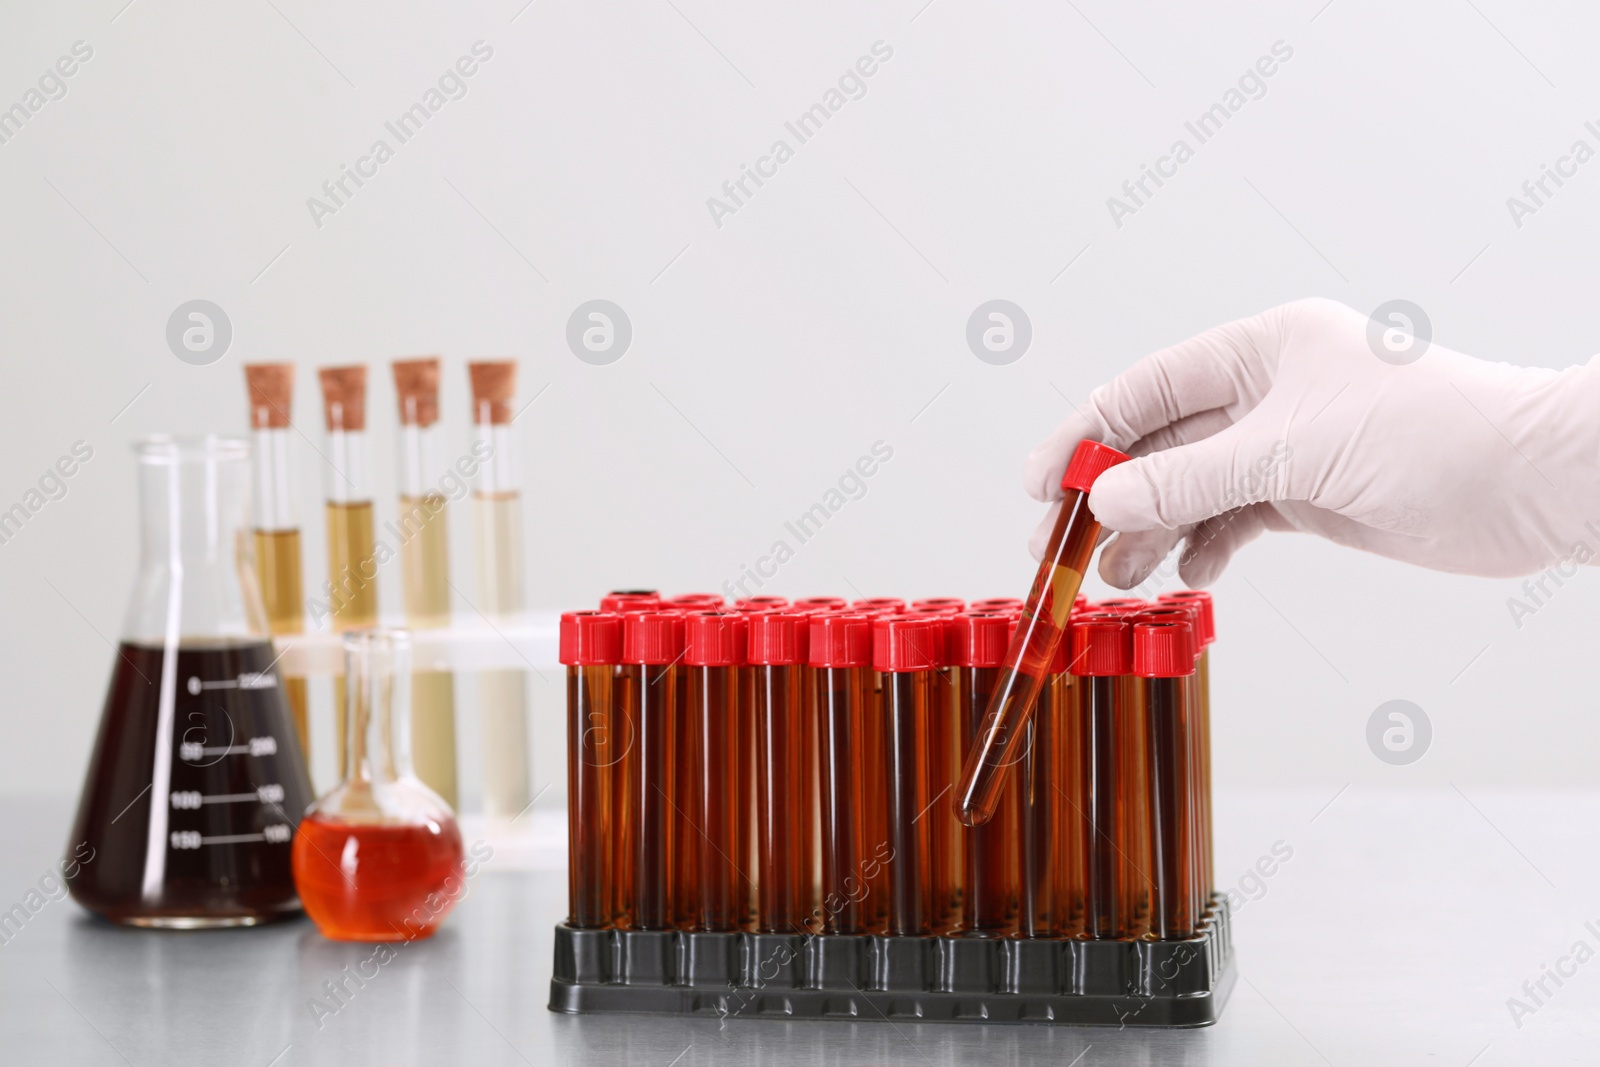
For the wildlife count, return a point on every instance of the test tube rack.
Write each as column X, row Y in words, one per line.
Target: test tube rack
column 614, row 956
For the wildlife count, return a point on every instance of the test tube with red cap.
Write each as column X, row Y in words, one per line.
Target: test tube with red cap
column 946, row 743
column 991, row 854
column 1207, row 633
column 1111, row 780
column 1189, row 612
column 854, row 801
column 652, row 644
column 1043, row 622
column 786, row 789
column 590, row 647
column 719, row 892
column 1051, row 826
column 1163, row 658
column 907, row 653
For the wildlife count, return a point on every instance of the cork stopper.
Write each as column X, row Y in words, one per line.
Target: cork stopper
column 416, row 386
column 344, row 397
column 494, row 382
column 271, row 388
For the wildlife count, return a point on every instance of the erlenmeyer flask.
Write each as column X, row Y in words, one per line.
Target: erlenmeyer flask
column 196, row 782
column 379, row 857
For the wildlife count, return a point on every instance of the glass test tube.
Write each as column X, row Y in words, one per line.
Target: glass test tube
column 1206, row 634
column 719, row 894
column 854, row 801
column 990, row 853
column 423, row 532
column 786, row 788
column 907, row 652
column 352, row 586
column 1043, row 621
column 497, row 528
column 277, row 521
column 947, row 742
column 1189, row 612
column 1052, row 824
column 652, row 644
column 1112, row 790
column 591, row 648
column 1163, row 658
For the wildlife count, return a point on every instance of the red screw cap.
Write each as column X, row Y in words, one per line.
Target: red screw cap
column 777, row 638
column 907, row 643
column 979, row 639
column 1207, row 613
column 840, row 640
column 696, row 601
column 886, row 605
column 1090, row 460
column 714, row 638
column 1121, row 605
column 763, row 603
column 1163, row 649
column 950, row 605
column 652, row 637
column 812, row 603
column 626, row 601
column 1100, row 647
column 996, row 603
column 590, row 637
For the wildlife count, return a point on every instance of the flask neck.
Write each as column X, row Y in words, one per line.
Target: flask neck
column 378, row 707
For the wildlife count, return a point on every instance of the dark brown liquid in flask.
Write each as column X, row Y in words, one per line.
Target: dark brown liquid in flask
column 1043, row 623
column 591, row 644
column 188, row 814
column 1164, row 660
column 196, row 783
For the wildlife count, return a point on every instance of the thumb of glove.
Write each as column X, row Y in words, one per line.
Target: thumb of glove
column 1181, row 486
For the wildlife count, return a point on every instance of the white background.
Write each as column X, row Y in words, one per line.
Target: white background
column 827, row 314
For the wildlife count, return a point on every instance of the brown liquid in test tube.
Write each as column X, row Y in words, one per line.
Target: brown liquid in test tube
column 715, row 649
column 652, row 644
column 990, row 854
column 854, row 797
column 1033, row 649
column 1205, row 618
column 591, row 646
column 907, row 650
column 352, row 540
column 1112, row 794
column 786, row 819
column 1052, row 823
column 277, row 527
column 1163, row 658
column 425, row 568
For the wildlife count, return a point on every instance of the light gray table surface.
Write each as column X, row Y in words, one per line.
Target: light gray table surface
column 1396, row 932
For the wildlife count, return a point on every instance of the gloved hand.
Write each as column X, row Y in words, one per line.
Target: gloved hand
column 1289, row 421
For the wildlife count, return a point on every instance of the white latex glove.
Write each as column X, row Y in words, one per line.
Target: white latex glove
column 1289, row 421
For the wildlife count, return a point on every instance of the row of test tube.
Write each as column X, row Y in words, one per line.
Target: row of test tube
column 791, row 767
column 418, row 537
